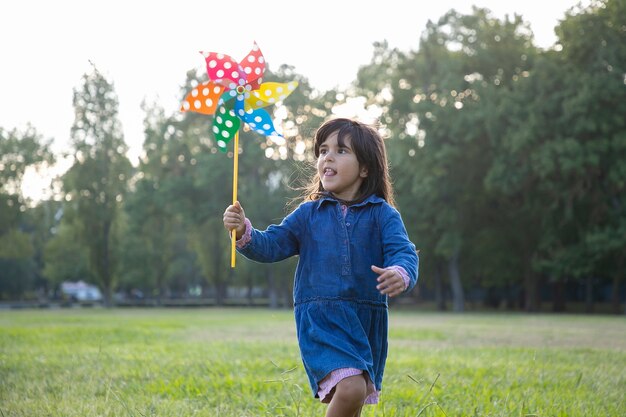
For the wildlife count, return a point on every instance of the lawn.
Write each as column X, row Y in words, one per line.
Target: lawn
column 245, row 362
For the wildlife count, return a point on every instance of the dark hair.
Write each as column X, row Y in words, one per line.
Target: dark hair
column 369, row 148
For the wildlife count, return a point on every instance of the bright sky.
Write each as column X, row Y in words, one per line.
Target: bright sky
column 146, row 47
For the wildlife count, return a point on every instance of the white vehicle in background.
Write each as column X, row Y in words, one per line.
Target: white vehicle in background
column 81, row 291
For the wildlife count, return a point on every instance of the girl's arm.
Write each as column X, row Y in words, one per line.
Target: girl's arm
column 398, row 250
column 274, row 244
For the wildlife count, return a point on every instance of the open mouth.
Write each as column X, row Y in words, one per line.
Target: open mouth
column 328, row 172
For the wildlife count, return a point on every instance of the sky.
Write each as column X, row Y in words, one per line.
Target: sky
column 145, row 48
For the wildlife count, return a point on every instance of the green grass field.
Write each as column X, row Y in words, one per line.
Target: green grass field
column 238, row 362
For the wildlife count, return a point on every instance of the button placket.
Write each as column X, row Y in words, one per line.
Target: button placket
column 346, row 268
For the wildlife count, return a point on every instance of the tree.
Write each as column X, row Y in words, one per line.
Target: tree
column 18, row 152
column 96, row 184
column 65, row 257
column 41, row 223
column 159, row 256
column 435, row 114
column 197, row 180
column 565, row 133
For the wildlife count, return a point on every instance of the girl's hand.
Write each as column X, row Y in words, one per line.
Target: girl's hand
column 234, row 218
column 389, row 281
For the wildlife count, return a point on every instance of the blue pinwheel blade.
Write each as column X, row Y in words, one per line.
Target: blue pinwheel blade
column 260, row 121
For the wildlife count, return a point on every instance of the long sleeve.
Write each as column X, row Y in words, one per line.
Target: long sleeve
column 398, row 249
column 274, row 244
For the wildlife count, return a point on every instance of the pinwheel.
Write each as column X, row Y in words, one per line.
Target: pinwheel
column 235, row 92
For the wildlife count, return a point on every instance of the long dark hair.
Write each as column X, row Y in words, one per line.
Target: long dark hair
column 369, row 148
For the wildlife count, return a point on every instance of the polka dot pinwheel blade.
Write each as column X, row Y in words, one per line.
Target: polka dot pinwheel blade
column 225, row 126
column 269, row 93
column 254, row 66
column 261, row 122
column 226, row 96
column 224, row 70
column 203, row 99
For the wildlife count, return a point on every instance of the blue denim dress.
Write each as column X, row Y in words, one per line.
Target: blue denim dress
column 341, row 318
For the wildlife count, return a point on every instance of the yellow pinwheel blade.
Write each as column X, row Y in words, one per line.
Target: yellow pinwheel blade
column 269, row 93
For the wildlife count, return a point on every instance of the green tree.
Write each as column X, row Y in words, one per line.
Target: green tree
column 594, row 41
column 66, row 258
column 96, row 183
column 157, row 257
column 19, row 151
column 435, row 113
column 41, row 222
column 198, row 183
column 563, row 149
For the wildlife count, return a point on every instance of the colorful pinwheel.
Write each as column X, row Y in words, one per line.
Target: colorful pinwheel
column 235, row 92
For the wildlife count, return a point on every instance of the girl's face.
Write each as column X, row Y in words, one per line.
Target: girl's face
column 339, row 168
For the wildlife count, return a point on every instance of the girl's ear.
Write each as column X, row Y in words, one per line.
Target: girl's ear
column 363, row 172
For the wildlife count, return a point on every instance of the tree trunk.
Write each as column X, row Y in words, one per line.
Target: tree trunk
column 271, row 287
column 589, row 305
column 250, row 289
column 221, row 287
column 288, row 296
column 160, row 281
column 160, row 265
column 615, row 293
column 458, row 298
column 106, row 267
column 510, row 297
column 531, row 291
column 218, row 281
column 440, row 298
column 558, row 296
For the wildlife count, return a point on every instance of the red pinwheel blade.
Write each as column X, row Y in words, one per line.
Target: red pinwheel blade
column 203, row 99
column 254, row 66
column 223, row 69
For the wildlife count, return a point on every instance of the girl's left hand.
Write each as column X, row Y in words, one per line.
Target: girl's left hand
column 389, row 281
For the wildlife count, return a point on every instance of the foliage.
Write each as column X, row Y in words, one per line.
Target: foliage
column 66, row 258
column 183, row 186
column 508, row 164
column 516, row 154
column 96, row 183
column 19, row 151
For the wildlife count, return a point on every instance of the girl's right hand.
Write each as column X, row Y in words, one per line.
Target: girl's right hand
column 234, row 218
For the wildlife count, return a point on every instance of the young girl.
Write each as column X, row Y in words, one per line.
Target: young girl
column 354, row 252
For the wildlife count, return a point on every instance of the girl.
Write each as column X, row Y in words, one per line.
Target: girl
column 354, row 253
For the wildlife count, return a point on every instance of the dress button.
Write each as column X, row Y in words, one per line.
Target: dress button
column 347, row 224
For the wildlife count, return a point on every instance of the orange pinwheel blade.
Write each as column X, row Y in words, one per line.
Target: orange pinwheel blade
column 203, row 99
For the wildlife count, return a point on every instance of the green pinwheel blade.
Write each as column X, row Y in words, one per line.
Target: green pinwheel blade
column 225, row 126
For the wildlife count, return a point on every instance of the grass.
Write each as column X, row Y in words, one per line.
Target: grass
column 238, row 362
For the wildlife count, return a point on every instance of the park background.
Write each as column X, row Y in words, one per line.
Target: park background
column 508, row 161
column 508, row 157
